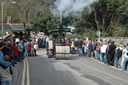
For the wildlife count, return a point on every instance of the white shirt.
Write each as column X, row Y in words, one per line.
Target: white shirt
column 103, row 48
column 36, row 40
column 47, row 39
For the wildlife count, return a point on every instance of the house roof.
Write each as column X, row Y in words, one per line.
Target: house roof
column 13, row 27
column 6, row 27
column 17, row 27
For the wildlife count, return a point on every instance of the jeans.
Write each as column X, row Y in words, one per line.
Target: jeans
column 16, row 57
column 73, row 50
column 9, row 82
column 20, row 56
column 97, row 55
column 83, row 53
column 29, row 53
column 89, row 52
column 123, row 63
column 116, row 61
column 105, row 59
column 26, row 53
column 102, row 57
column 80, row 51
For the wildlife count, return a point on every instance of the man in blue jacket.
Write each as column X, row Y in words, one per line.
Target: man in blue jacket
column 5, row 74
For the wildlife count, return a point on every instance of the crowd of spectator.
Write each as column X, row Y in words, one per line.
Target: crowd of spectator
column 105, row 51
column 13, row 51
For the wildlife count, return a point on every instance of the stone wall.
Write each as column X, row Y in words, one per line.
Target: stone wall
column 116, row 39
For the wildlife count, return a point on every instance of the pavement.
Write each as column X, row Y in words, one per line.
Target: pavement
column 41, row 70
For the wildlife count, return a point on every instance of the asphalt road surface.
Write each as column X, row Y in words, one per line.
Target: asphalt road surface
column 41, row 70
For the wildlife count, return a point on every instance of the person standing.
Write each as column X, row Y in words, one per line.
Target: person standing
column 90, row 49
column 118, row 55
column 46, row 44
column 76, row 45
column 94, row 44
column 29, row 49
column 20, row 50
column 83, row 48
column 73, row 47
column 97, row 54
column 80, row 47
column 35, row 49
column 15, row 51
column 106, row 56
column 5, row 74
column 124, row 58
column 111, row 53
column 25, row 48
column 103, row 52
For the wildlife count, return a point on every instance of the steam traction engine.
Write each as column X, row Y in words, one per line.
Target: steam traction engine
column 58, row 48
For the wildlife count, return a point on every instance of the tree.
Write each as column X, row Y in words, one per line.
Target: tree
column 44, row 23
column 105, row 13
column 24, row 10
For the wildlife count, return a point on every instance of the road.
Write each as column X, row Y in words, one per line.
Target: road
column 76, row 71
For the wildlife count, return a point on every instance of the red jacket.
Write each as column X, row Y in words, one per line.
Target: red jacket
column 15, row 50
column 29, row 46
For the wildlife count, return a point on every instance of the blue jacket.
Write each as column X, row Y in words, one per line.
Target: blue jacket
column 26, row 46
column 20, row 47
column 3, row 62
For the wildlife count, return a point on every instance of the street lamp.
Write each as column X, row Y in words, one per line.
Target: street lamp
column 2, row 15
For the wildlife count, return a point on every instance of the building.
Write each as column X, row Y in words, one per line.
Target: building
column 12, row 28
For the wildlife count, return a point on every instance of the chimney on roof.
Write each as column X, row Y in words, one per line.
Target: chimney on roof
column 8, row 19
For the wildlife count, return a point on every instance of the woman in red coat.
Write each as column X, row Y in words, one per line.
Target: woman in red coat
column 15, row 51
column 29, row 49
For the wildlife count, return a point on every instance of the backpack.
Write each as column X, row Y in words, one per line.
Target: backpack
column 118, row 52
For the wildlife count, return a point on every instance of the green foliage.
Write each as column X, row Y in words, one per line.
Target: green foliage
column 79, row 23
column 119, row 30
column 92, row 35
column 44, row 23
column 108, row 16
column 24, row 11
column 104, row 34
